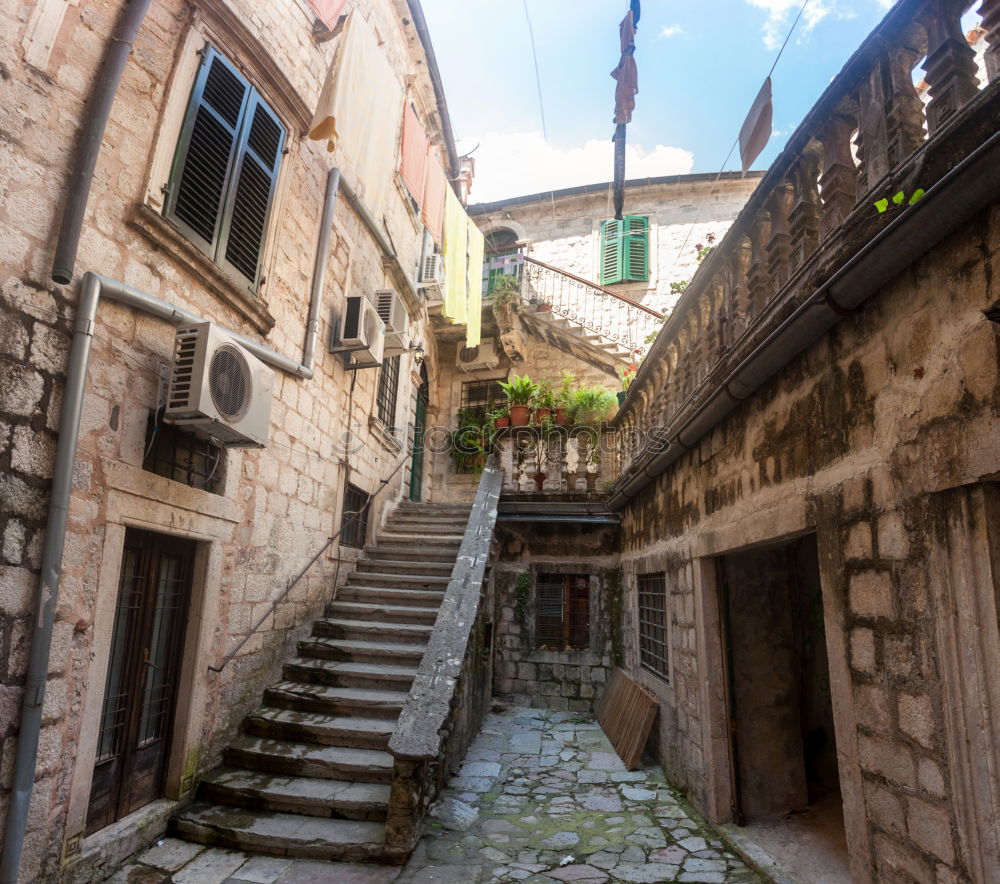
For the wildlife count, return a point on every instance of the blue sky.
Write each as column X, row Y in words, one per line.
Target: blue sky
column 700, row 66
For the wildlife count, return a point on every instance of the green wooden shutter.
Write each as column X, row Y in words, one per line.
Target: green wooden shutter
column 612, row 268
column 252, row 192
column 636, row 248
column 206, row 151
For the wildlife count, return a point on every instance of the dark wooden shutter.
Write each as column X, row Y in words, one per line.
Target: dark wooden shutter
column 578, row 608
column 635, row 248
column 253, row 190
column 611, row 252
column 549, row 612
column 207, row 150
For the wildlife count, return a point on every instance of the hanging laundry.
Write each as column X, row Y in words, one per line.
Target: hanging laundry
column 456, row 259
column 474, row 285
column 328, row 11
column 435, row 189
column 413, row 156
column 627, row 74
column 756, row 129
column 351, row 115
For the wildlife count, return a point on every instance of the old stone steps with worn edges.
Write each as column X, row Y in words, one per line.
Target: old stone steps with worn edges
column 309, row 774
column 306, row 795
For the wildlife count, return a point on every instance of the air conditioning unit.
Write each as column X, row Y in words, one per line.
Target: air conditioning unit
column 478, row 358
column 361, row 333
column 432, row 270
column 219, row 390
column 392, row 310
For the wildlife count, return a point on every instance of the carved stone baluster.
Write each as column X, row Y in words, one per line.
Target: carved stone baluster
column 990, row 14
column 757, row 274
column 803, row 220
column 873, row 137
column 779, row 243
column 838, row 184
column 905, row 113
column 951, row 63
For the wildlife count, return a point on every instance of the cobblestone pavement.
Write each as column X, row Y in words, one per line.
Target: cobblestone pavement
column 541, row 797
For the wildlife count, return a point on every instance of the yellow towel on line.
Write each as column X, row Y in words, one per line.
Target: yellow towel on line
column 456, row 261
column 474, row 285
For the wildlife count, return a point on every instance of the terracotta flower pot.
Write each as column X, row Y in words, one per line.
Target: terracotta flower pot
column 519, row 415
column 539, row 481
column 542, row 414
column 562, row 416
column 503, row 422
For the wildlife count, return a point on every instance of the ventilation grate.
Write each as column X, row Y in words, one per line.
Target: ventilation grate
column 185, row 345
column 468, row 354
column 229, row 382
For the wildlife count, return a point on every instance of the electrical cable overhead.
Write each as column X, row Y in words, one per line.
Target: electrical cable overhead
column 538, row 79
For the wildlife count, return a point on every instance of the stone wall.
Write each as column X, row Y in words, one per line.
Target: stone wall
column 563, row 229
column 546, row 678
column 883, row 439
column 278, row 505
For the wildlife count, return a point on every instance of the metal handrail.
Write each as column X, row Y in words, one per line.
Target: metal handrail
column 294, row 582
column 594, row 285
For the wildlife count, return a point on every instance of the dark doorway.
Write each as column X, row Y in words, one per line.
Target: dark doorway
column 140, row 691
column 784, row 750
column 419, row 428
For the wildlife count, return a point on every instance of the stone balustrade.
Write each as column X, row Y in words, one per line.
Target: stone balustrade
column 563, row 460
column 873, row 133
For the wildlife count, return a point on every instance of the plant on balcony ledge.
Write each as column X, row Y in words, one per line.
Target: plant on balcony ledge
column 470, row 444
column 592, row 404
column 520, row 392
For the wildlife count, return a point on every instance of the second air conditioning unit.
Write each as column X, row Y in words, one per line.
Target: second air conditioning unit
column 432, row 270
column 361, row 333
column 483, row 356
column 218, row 390
column 393, row 313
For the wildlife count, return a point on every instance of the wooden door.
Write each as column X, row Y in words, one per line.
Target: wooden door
column 140, row 690
column 419, row 427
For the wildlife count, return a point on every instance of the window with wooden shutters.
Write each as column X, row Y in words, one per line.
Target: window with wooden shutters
column 653, row 624
column 625, row 250
column 562, row 612
column 226, row 168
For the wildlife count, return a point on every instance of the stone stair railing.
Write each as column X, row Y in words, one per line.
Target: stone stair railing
column 868, row 137
column 450, row 695
column 562, row 460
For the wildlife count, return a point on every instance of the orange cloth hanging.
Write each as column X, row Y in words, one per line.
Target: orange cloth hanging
column 413, row 156
column 435, row 187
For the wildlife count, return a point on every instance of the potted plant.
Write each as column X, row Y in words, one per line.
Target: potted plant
column 520, row 391
column 592, row 404
column 564, row 398
column 626, row 374
column 500, row 417
column 545, row 401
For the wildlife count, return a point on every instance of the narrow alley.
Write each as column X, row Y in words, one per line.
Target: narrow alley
column 540, row 797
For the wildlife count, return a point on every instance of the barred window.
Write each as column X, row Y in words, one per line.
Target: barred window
column 182, row 457
column 478, row 396
column 562, row 612
column 388, row 387
column 354, row 519
column 653, row 624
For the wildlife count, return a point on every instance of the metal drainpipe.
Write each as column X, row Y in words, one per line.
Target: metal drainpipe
column 93, row 289
column 92, row 136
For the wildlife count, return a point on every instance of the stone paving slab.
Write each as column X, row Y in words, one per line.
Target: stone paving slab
column 541, row 798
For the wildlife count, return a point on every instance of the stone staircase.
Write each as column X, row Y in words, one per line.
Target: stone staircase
column 309, row 775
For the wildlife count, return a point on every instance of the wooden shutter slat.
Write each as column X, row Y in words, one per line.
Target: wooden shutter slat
column 636, row 248
column 611, row 252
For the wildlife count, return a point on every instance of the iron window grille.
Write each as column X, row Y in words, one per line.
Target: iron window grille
column 182, row 457
column 653, row 624
column 388, row 388
column 479, row 396
column 225, row 170
column 562, row 612
column 354, row 519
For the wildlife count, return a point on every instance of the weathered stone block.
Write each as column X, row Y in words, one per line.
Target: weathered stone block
column 896, row 861
column 871, row 705
column 871, row 594
column 859, row 541
column 930, row 828
column 884, row 809
column 893, row 540
column 890, row 758
column 930, row 778
column 863, row 650
column 916, row 718
column 21, row 391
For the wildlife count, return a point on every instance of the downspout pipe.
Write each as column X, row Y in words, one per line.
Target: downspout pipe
column 93, row 290
column 92, row 137
column 963, row 191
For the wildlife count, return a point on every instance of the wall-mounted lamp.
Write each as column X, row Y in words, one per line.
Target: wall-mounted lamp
column 418, row 353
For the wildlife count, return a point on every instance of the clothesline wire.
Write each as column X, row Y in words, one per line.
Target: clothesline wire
column 725, row 162
column 538, row 87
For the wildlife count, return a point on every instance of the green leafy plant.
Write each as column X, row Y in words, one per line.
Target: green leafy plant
column 546, row 395
column 626, row 374
column 506, row 290
column 592, row 404
column 520, row 390
column 898, row 199
column 564, row 391
column 523, row 588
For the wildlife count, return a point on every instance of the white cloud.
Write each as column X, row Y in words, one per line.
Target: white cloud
column 781, row 14
column 671, row 31
column 520, row 163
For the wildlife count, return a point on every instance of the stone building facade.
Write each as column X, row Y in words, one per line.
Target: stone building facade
column 269, row 510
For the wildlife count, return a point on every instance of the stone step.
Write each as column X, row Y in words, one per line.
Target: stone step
column 281, row 834
column 310, row 759
column 386, row 565
column 399, row 581
column 361, row 651
column 350, row 731
column 457, row 507
column 364, row 630
column 311, row 697
column 421, row 598
column 350, row 675
column 429, row 533
column 391, row 537
column 416, row 554
column 374, row 613
column 309, row 796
